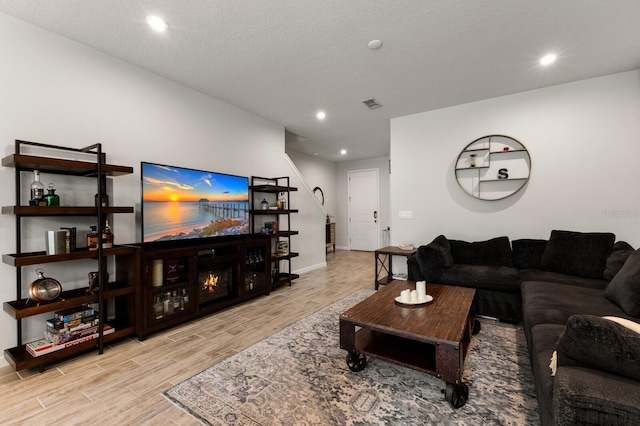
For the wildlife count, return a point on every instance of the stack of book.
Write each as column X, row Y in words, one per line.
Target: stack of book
column 67, row 328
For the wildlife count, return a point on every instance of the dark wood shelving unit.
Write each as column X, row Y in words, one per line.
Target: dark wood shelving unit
column 63, row 166
column 24, row 308
column 121, row 290
column 271, row 187
column 62, row 211
column 35, row 258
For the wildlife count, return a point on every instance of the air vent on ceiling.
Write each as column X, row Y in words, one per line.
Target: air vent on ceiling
column 372, row 103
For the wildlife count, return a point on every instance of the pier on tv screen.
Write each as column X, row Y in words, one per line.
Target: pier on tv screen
column 180, row 203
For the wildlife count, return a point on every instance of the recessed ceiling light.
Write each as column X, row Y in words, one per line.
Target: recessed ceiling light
column 548, row 59
column 343, row 152
column 157, row 23
column 321, row 115
column 375, row 44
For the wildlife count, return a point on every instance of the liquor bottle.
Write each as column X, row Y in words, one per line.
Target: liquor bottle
column 103, row 201
column 168, row 304
column 158, row 308
column 92, row 239
column 185, row 298
column 181, row 297
column 107, row 236
column 37, row 189
column 176, row 302
column 51, row 197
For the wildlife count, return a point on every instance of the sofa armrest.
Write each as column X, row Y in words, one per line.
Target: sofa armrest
column 434, row 258
column 600, row 343
column 588, row 396
column 413, row 269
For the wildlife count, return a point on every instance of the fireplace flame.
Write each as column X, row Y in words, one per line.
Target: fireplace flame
column 211, row 283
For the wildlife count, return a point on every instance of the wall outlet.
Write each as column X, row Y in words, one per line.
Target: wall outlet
column 406, row 214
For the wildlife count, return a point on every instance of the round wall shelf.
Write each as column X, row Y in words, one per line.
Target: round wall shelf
column 493, row 167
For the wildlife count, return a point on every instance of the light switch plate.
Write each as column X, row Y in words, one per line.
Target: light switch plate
column 405, row 214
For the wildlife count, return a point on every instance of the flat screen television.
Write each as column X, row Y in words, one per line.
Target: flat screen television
column 185, row 204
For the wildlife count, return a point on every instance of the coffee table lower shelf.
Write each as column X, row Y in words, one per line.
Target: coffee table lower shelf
column 444, row 360
column 398, row 350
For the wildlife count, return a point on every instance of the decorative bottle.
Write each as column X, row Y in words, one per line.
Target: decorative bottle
column 107, row 236
column 185, row 298
column 264, row 204
column 103, row 201
column 176, row 301
column 168, row 304
column 37, row 189
column 92, row 239
column 52, row 198
column 158, row 308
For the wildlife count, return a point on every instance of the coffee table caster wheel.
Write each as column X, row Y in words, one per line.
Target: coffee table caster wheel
column 356, row 361
column 456, row 394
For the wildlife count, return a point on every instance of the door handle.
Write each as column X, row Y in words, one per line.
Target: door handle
column 375, row 216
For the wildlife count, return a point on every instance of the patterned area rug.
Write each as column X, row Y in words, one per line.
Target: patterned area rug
column 299, row 376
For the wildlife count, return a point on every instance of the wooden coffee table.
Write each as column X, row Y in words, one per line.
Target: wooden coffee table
column 432, row 338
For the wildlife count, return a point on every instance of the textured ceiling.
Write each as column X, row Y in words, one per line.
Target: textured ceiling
column 286, row 59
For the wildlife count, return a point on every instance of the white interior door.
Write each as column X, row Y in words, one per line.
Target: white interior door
column 363, row 210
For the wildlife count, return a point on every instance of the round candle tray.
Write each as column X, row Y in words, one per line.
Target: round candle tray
column 428, row 299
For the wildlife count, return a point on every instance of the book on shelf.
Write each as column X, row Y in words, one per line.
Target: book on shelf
column 43, row 347
column 71, row 333
column 56, row 324
column 75, row 313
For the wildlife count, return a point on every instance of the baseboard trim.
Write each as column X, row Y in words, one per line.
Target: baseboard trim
column 311, row 268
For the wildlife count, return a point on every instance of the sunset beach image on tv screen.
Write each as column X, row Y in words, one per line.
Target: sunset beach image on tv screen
column 180, row 203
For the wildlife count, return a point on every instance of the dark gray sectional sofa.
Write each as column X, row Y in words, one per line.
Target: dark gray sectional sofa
column 560, row 289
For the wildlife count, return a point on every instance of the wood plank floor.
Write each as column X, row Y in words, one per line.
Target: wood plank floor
column 124, row 385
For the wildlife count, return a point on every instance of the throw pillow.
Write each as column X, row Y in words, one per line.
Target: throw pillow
column 434, row 258
column 527, row 253
column 594, row 342
column 633, row 326
column 577, row 253
column 619, row 254
column 493, row 252
column 624, row 288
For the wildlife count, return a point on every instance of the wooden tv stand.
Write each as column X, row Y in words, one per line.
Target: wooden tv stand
column 178, row 284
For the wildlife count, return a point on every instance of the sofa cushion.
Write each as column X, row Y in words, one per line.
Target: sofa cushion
column 553, row 303
column 619, row 254
column 527, row 253
column 577, row 253
column 482, row 277
column 624, row 288
column 555, row 277
column 493, row 252
column 602, row 344
column 434, row 258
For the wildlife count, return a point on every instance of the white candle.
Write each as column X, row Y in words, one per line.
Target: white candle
column 414, row 296
column 405, row 296
column 421, row 288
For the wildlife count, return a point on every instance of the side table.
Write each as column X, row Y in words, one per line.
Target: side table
column 330, row 239
column 384, row 262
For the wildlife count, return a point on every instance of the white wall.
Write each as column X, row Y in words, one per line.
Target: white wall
column 318, row 173
column 342, row 207
column 59, row 92
column 584, row 142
